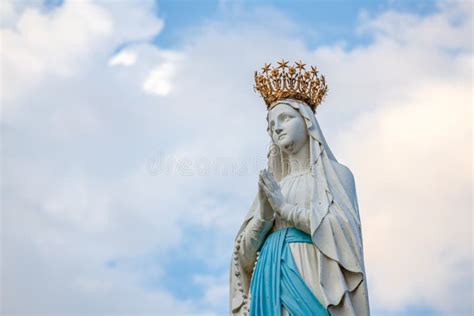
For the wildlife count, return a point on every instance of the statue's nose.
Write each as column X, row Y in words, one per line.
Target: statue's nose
column 278, row 130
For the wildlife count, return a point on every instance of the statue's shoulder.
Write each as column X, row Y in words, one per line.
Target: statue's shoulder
column 347, row 180
column 345, row 175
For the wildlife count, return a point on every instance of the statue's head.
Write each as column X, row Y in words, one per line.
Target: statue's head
column 291, row 93
column 287, row 128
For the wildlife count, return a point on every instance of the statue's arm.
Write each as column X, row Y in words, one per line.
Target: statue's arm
column 252, row 238
column 297, row 216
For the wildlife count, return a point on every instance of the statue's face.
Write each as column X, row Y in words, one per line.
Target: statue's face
column 287, row 128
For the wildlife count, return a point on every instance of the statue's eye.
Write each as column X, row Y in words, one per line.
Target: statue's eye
column 286, row 117
column 272, row 124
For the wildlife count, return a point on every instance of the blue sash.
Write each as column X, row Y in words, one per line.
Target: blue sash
column 276, row 280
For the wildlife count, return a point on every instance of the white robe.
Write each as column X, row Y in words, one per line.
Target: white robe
column 296, row 189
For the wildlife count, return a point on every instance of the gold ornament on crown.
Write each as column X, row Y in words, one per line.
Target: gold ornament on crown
column 282, row 82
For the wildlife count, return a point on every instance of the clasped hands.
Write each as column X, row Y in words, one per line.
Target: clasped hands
column 269, row 194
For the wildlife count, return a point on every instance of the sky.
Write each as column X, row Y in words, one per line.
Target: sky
column 132, row 139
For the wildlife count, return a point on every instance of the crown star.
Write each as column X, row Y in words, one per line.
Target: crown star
column 305, row 85
column 266, row 68
column 300, row 65
column 282, row 64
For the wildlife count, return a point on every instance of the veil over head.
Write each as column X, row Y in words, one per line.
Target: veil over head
column 335, row 221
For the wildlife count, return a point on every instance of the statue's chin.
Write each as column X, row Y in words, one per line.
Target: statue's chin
column 288, row 147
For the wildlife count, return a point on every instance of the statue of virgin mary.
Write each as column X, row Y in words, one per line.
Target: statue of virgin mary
column 299, row 249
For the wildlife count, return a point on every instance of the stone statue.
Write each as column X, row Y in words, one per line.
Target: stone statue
column 299, row 249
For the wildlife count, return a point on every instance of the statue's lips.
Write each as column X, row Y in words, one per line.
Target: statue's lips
column 279, row 137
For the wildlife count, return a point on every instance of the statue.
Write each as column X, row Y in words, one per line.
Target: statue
column 299, row 249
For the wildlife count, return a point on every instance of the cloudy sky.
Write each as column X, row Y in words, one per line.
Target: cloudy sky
column 132, row 140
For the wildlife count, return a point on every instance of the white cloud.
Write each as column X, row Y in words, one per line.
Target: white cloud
column 159, row 79
column 7, row 12
column 41, row 44
column 124, row 58
column 436, row 32
column 412, row 160
column 217, row 290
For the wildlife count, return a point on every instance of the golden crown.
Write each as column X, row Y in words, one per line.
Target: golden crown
column 275, row 83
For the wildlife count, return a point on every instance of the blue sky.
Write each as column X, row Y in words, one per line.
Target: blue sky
column 324, row 22
column 122, row 122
